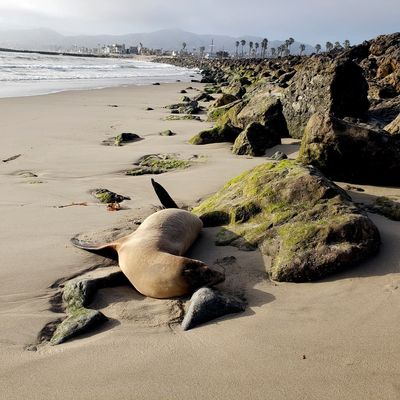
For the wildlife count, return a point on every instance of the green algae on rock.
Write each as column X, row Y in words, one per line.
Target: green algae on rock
column 306, row 223
column 158, row 164
column 218, row 134
column 106, row 196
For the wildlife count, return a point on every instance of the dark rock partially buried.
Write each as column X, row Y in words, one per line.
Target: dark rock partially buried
column 352, row 153
column 255, row 139
column 207, row 304
column 157, row 164
column 306, row 223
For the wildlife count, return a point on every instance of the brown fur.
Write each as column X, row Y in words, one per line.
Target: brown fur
column 152, row 256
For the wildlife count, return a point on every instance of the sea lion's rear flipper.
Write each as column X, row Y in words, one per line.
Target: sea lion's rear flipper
column 163, row 195
column 105, row 250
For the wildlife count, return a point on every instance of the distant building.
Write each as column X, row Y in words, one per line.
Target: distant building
column 133, row 50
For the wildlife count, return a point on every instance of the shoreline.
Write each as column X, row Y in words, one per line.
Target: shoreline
column 345, row 326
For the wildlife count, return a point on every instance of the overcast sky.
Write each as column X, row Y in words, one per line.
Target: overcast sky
column 307, row 21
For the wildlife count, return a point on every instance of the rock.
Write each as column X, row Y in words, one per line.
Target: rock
column 279, row 156
column 124, row 138
column 204, row 97
column 167, row 132
column 183, row 91
column 207, row 304
column 352, row 153
column 255, row 139
column 157, row 164
column 386, row 207
column 185, row 99
column 149, row 109
column 156, row 84
column 324, row 85
column 218, row 134
column 266, row 110
column 306, row 223
column 76, row 295
column 106, row 196
column 224, row 100
column 223, row 114
column 183, row 118
column 394, row 127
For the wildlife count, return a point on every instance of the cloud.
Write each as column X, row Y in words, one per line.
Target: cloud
column 307, row 20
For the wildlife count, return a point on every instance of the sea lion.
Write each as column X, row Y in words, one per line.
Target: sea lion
column 152, row 256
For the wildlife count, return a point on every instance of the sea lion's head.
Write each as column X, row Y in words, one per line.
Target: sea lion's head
column 197, row 274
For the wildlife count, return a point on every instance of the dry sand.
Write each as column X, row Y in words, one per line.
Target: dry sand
column 338, row 338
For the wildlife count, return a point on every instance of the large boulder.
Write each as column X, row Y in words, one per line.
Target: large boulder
column 324, row 85
column 255, row 139
column 218, row 134
column 350, row 152
column 266, row 110
column 306, row 223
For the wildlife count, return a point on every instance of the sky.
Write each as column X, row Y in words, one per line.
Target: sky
column 308, row 21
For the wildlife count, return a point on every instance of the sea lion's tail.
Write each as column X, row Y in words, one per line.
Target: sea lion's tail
column 162, row 194
column 107, row 250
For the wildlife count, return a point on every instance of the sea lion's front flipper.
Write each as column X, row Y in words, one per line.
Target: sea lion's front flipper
column 105, row 250
column 162, row 194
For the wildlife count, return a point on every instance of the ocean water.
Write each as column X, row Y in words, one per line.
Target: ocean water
column 23, row 74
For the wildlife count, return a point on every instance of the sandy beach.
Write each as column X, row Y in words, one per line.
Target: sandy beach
column 338, row 336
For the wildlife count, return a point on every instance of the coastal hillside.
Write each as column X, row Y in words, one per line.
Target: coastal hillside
column 168, row 39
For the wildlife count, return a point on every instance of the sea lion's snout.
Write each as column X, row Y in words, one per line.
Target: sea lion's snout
column 198, row 274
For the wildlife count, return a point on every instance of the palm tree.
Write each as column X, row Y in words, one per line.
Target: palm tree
column 328, row 46
column 202, row 50
column 264, row 46
column 256, row 45
column 243, row 43
column 183, row 46
column 251, row 44
column 346, row 44
column 338, row 46
column 273, row 51
column 317, row 48
column 302, row 48
column 237, row 47
column 289, row 42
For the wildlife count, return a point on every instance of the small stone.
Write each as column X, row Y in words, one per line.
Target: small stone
column 183, row 91
column 207, row 304
column 149, row 109
column 279, row 156
column 167, row 132
column 156, row 84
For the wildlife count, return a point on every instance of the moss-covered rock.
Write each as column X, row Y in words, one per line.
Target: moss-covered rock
column 121, row 139
column 266, row 110
column 255, row 139
column 167, row 132
column 106, row 196
column 352, row 153
column 224, row 100
column 124, row 138
column 157, row 164
column 386, row 207
column 76, row 296
column 183, row 118
column 293, row 213
column 216, row 113
column 218, row 134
